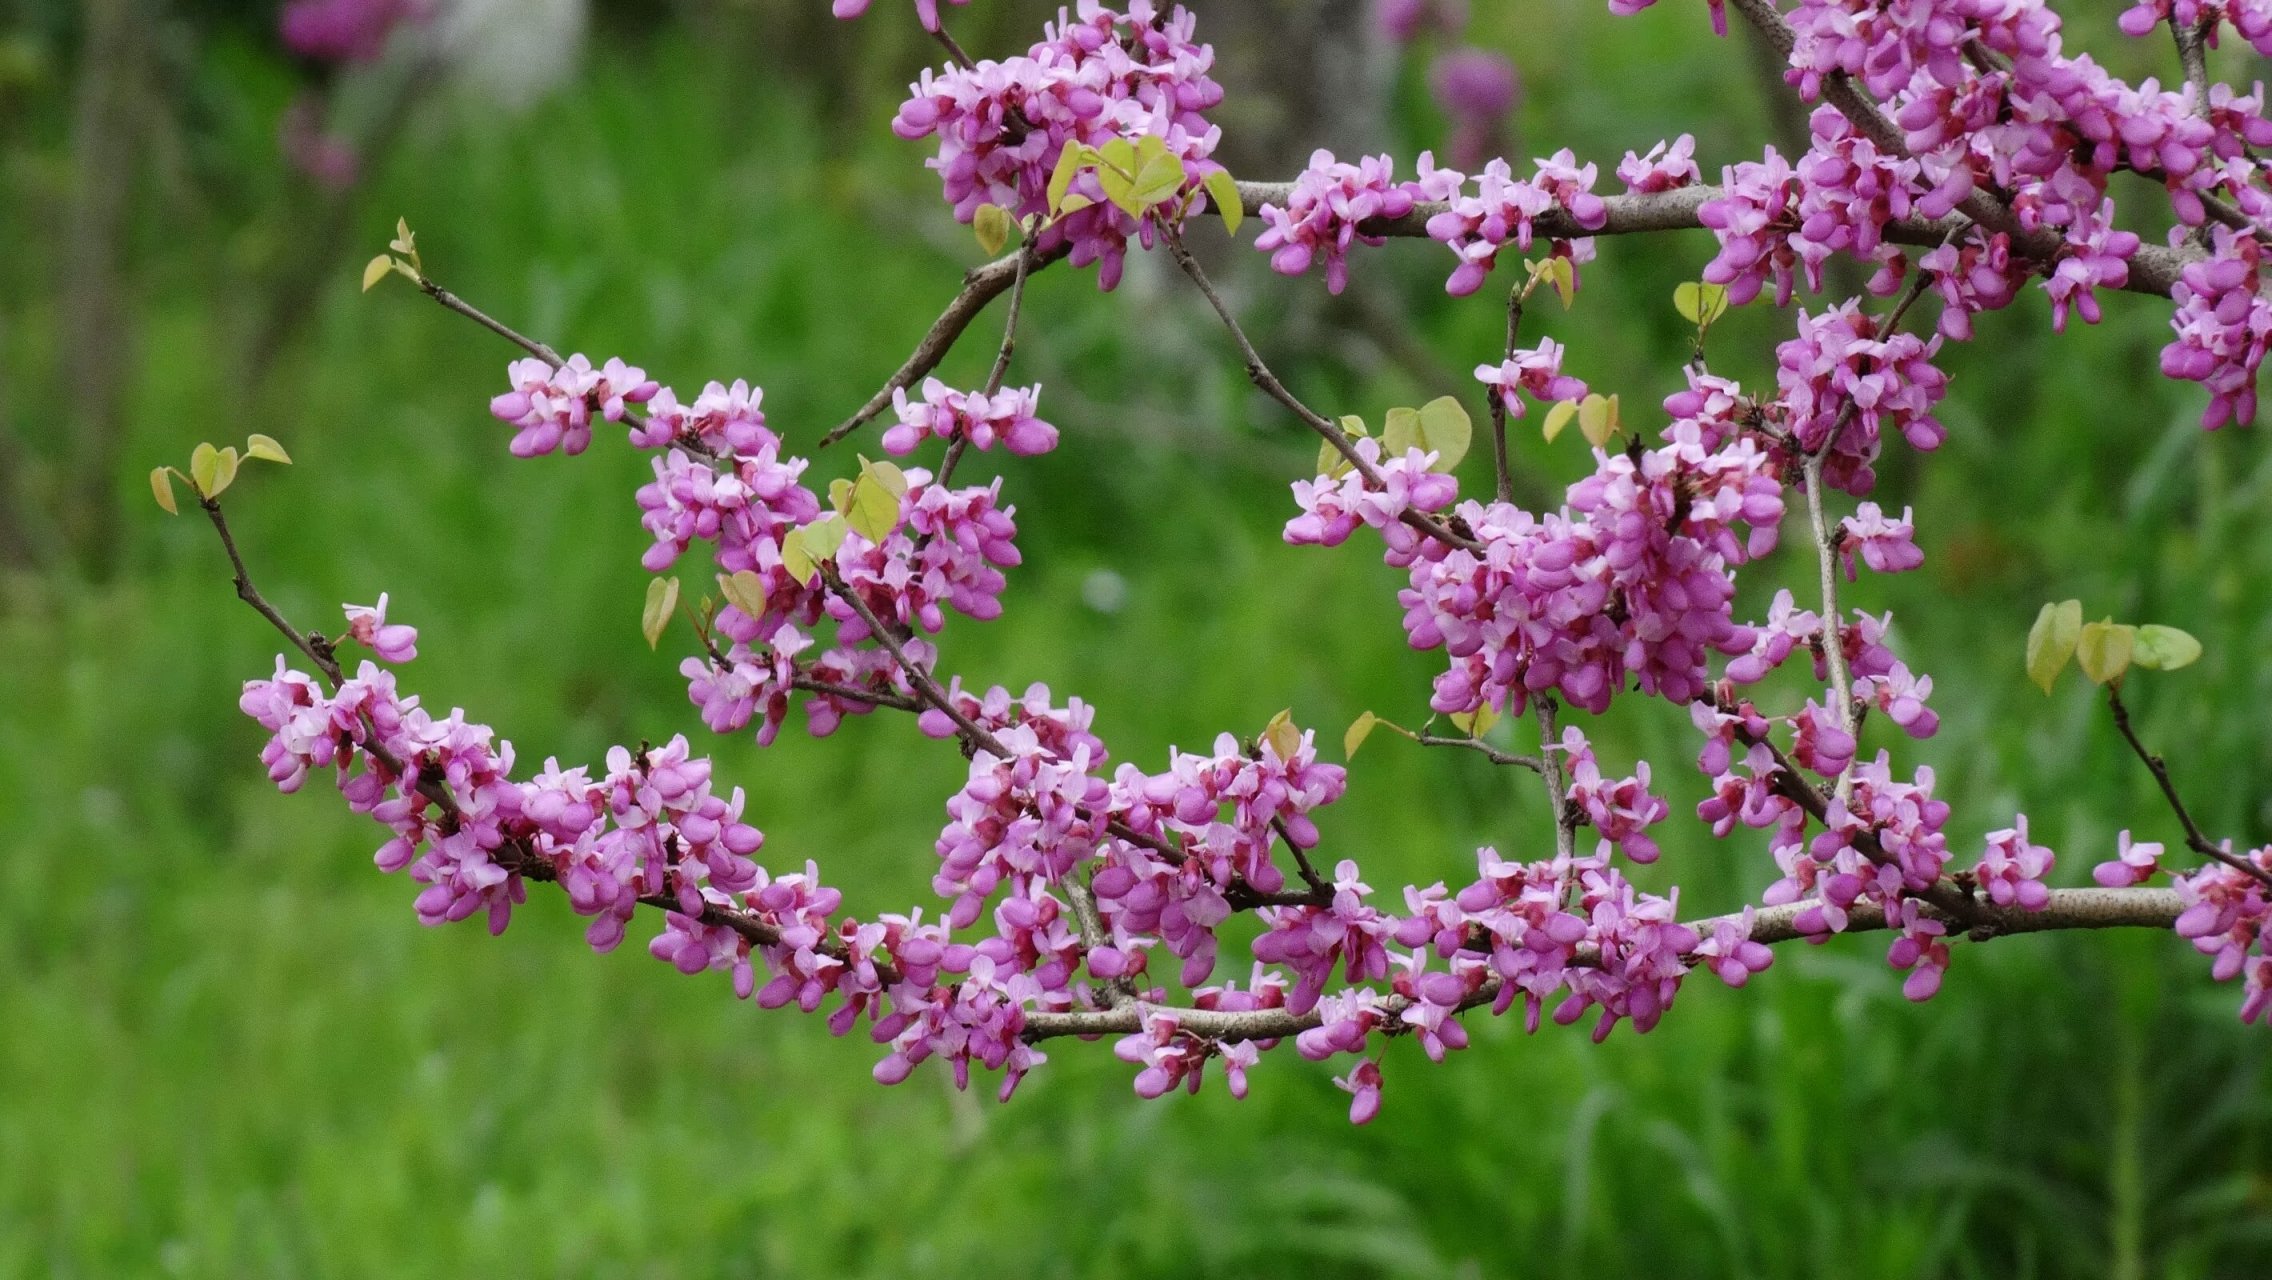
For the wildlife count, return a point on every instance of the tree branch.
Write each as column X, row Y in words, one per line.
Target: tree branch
column 2195, row 839
column 2067, row 909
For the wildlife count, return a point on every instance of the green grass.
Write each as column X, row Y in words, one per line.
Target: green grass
column 226, row 1049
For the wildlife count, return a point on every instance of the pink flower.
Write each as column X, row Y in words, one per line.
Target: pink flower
column 368, row 627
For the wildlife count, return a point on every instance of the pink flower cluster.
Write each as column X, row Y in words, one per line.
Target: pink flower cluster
column 2223, row 326
column 1667, row 166
column 1839, row 376
column 1007, row 416
column 1504, row 209
column 1537, row 371
column 1329, row 203
column 1629, row 581
column 725, row 481
column 2227, row 912
column 551, row 408
column 1095, row 77
column 1333, row 506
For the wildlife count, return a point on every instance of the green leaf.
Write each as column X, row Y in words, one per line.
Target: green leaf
column 266, row 449
column 1565, row 278
column 1118, row 155
column 886, row 474
column 404, row 242
column 1558, row 417
column 1400, row 431
column 840, row 494
column 744, row 590
column 992, row 223
column 662, row 600
column 2103, row 650
column 1597, row 419
column 162, row 488
column 825, row 535
column 1283, row 735
column 875, row 512
column 1476, row 723
column 376, row 270
column 2161, row 648
column 1359, row 730
column 1700, row 304
column 2051, row 641
column 1224, row 192
column 1446, row 430
column 1061, row 178
column 224, row 470
column 1160, row 178
column 204, row 460
column 797, row 558
column 1074, row 204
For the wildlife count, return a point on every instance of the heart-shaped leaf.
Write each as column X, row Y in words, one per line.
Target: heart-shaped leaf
column 662, row 600
column 2103, row 650
column 2163, row 648
column 2051, row 641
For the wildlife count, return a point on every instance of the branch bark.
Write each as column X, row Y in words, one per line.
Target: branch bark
column 2067, row 909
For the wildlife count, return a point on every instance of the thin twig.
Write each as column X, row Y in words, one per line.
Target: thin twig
column 2195, row 838
column 1557, row 783
column 1259, row 373
column 1484, row 749
column 1497, row 398
column 981, row 285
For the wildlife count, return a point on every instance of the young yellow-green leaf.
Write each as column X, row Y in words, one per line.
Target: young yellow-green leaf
column 1224, row 192
column 840, row 494
column 797, row 558
column 1400, row 431
column 1597, row 419
column 744, row 590
column 2103, row 650
column 824, row 536
column 162, row 488
column 1061, row 178
column 886, row 474
column 1558, row 417
column 1120, row 189
column 1074, row 204
column 404, row 241
column 1565, row 279
column 992, row 223
column 662, row 601
column 224, row 470
column 266, row 449
column 2163, row 648
column 875, row 512
column 1118, row 155
column 1160, row 178
column 1700, row 304
column 376, row 270
column 1359, row 730
column 1476, row 723
column 1445, row 429
column 2051, row 641
column 1283, row 735
column 202, row 461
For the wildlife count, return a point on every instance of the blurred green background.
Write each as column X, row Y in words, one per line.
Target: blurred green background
column 226, row 1048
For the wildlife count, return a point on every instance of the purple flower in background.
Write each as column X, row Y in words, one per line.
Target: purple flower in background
column 1478, row 89
column 345, row 30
